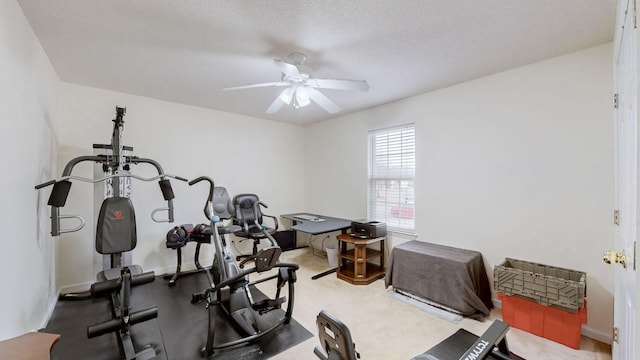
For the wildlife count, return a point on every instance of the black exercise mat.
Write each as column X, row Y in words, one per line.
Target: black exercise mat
column 179, row 332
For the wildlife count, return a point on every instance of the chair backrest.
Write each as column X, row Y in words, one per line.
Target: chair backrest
column 116, row 231
column 335, row 339
column 245, row 209
column 222, row 203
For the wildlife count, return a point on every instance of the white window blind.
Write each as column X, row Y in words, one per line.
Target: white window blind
column 391, row 177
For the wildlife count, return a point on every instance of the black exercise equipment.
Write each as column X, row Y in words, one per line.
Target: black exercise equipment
column 177, row 238
column 116, row 164
column 335, row 339
column 231, row 290
column 248, row 215
column 336, row 343
column 180, row 236
column 463, row 345
column 115, row 235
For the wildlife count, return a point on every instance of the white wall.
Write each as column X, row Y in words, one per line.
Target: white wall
column 517, row 164
column 28, row 90
column 241, row 153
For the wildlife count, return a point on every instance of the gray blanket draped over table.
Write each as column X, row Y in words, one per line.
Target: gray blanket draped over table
column 455, row 278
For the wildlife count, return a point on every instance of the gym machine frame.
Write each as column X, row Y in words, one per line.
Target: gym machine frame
column 118, row 277
column 230, row 286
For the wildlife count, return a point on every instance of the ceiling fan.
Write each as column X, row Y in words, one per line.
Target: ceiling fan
column 301, row 87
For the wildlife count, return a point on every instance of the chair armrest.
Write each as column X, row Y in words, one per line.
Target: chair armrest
column 275, row 220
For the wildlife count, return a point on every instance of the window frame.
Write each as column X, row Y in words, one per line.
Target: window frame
column 391, row 177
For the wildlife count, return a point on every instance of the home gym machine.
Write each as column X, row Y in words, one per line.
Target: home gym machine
column 115, row 235
column 336, row 343
column 231, row 293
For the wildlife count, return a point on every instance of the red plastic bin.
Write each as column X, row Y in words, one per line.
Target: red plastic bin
column 554, row 324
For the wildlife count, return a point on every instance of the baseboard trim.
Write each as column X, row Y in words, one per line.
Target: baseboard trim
column 597, row 334
column 84, row 286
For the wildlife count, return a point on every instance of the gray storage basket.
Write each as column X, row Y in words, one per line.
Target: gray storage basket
column 547, row 285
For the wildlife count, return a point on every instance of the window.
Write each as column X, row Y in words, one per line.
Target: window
column 391, row 177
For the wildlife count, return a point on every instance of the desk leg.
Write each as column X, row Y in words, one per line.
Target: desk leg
column 325, row 273
column 295, row 234
column 330, row 271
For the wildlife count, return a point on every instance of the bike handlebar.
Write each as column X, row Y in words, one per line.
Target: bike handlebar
column 208, row 205
column 43, row 185
column 209, row 180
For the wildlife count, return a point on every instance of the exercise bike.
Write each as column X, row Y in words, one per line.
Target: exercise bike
column 231, row 292
column 115, row 236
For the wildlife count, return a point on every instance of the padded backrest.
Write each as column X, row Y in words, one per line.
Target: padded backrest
column 335, row 338
column 116, row 231
column 222, row 203
column 244, row 210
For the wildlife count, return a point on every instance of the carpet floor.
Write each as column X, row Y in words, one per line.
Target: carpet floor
column 382, row 327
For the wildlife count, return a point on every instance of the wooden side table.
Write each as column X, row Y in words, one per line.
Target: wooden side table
column 354, row 264
column 30, row 346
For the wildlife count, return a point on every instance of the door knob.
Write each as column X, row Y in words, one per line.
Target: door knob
column 612, row 257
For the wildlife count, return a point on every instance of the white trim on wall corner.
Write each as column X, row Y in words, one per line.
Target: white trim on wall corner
column 594, row 334
column 50, row 308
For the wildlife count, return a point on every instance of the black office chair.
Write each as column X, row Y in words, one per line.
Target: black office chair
column 248, row 215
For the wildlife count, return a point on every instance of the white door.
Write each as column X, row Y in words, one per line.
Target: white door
column 626, row 182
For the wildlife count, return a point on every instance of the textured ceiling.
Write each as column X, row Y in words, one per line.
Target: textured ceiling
column 186, row 51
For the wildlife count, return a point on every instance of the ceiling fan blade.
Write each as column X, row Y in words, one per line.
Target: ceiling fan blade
column 338, row 84
column 284, row 98
column 275, row 106
column 287, row 69
column 322, row 100
column 276, row 83
column 287, row 95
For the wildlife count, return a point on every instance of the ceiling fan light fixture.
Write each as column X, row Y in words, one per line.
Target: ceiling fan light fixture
column 301, row 88
column 302, row 97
